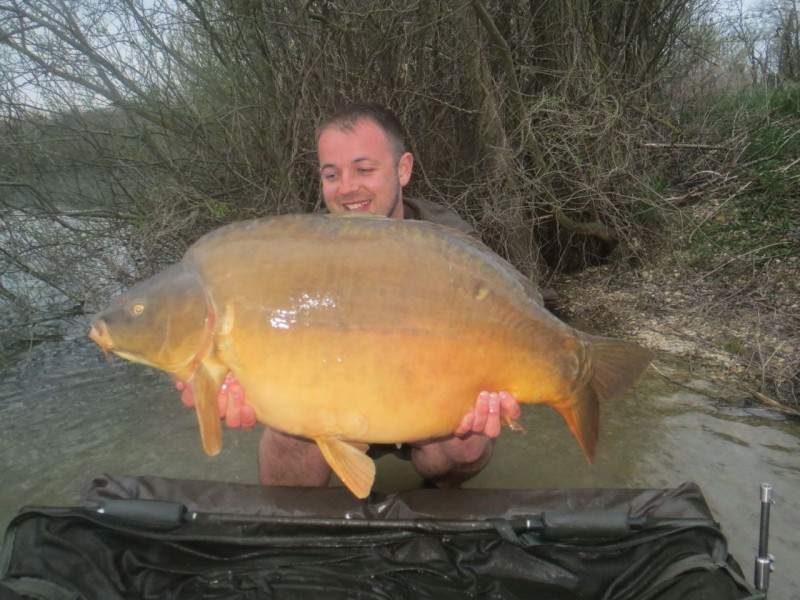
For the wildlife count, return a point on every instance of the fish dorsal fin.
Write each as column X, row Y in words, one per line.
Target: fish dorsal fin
column 205, row 383
column 350, row 462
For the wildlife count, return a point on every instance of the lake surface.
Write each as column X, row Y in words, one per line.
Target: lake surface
column 67, row 415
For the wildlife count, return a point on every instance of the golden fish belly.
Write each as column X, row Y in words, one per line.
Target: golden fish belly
column 380, row 386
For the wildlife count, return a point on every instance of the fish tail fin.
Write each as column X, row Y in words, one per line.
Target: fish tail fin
column 582, row 414
column 617, row 364
column 205, row 387
column 350, row 462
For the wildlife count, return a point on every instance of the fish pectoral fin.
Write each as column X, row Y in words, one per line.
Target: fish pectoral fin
column 350, row 462
column 205, row 387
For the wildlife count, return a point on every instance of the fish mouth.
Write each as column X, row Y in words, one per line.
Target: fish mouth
column 98, row 333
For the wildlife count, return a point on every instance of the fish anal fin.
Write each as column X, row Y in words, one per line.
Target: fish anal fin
column 617, row 364
column 205, row 384
column 582, row 414
column 350, row 462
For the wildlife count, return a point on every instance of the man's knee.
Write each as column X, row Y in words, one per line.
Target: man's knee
column 450, row 462
column 476, row 453
column 290, row 461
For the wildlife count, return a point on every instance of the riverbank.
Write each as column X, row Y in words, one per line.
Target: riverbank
column 740, row 330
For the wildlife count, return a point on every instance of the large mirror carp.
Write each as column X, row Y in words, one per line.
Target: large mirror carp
column 358, row 330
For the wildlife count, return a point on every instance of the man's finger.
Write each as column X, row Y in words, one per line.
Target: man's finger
column 492, row 427
column 481, row 412
column 187, row 397
column 465, row 426
column 233, row 417
column 509, row 405
column 248, row 416
column 226, row 398
column 186, row 392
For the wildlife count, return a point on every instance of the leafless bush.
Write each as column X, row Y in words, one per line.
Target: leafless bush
column 174, row 117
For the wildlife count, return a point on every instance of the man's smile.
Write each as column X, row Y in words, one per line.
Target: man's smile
column 359, row 205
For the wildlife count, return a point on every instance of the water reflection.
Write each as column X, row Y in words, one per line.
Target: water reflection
column 66, row 415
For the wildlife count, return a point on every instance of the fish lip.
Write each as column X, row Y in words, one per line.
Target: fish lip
column 98, row 333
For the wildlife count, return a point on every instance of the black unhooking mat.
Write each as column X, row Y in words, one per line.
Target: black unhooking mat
column 159, row 538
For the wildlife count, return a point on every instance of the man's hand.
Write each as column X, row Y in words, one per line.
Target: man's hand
column 490, row 409
column 230, row 400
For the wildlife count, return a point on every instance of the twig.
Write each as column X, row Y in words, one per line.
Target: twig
column 683, row 145
column 763, row 398
column 687, row 387
column 595, row 228
column 785, row 168
column 771, row 402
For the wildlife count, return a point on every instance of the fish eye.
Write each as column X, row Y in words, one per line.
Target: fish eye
column 137, row 309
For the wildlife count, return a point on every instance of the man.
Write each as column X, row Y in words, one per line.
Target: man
column 364, row 167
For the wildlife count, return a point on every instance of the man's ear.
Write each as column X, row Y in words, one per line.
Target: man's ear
column 404, row 168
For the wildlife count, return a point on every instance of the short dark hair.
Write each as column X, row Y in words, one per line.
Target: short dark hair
column 347, row 117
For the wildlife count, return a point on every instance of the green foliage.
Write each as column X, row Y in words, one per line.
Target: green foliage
column 757, row 225
column 763, row 222
column 733, row 346
column 659, row 184
column 774, row 145
column 785, row 103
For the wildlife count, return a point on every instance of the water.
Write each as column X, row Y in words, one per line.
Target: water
column 66, row 415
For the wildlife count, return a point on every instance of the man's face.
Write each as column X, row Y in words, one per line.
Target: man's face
column 359, row 170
